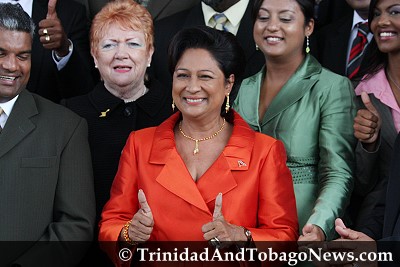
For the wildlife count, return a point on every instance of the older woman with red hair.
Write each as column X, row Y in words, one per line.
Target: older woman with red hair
column 126, row 99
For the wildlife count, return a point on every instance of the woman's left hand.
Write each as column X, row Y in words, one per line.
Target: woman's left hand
column 221, row 230
column 312, row 232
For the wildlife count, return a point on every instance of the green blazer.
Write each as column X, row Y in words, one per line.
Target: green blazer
column 313, row 116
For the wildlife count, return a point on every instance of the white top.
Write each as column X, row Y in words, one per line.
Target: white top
column 7, row 108
column 234, row 14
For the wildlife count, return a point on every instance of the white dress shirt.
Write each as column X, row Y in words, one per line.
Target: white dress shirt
column 7, row 108
column 234, row 14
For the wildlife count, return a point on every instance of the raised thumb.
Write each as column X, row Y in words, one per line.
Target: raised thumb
column 218, row 208
column 307, row 228
column 143, row 201
column 51, row 9
column 367, row 103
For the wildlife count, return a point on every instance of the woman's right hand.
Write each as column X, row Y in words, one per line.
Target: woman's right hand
column 367, row 123
column 142, row 223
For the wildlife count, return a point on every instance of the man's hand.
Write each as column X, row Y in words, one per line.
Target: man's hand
column 51, row 32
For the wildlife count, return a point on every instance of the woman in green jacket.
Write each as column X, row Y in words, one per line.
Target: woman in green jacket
column 307, row 107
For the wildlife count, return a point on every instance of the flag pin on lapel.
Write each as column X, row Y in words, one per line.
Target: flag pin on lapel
column 241, row 163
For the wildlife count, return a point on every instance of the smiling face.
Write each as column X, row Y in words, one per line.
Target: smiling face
column 122, row 58
column 199, row 85
column 386, row 26
column 15, row 62
column 279, row 29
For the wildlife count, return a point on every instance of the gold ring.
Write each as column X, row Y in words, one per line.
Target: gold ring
column 45, row 32
column 47, row 38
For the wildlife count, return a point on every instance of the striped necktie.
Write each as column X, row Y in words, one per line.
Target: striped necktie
column 357, row 50
column 1, row 111
column 218, row 21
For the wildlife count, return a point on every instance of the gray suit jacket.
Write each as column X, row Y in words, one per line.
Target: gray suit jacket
column 46, row 191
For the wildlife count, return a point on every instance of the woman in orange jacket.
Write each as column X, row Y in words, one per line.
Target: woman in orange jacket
column 203, row 174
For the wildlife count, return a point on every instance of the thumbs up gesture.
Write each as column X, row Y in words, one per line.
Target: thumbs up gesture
column 311, row 232
column 217, row 215
column 51, row 32
column 367, row 123
column 220, row 230
column 142, row 223
column 51, row 9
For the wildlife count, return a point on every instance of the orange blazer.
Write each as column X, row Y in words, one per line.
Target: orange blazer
column 251, row 174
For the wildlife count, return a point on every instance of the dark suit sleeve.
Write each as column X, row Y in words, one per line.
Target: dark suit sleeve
column 367, row 169
column 78, row 76
column 374, row 225
column 73, row 211
column 383, row 223
column 367, row 174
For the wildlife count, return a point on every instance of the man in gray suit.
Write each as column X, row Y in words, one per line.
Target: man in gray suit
column 46, row 181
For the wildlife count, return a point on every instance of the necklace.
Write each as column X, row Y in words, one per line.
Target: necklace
column 394, row 82
column 143, row 93
column 196, row 147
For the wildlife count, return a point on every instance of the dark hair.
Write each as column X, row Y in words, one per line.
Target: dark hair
column 306, row 6
column 375, row 58
column 14, row 18
column 223, row 47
